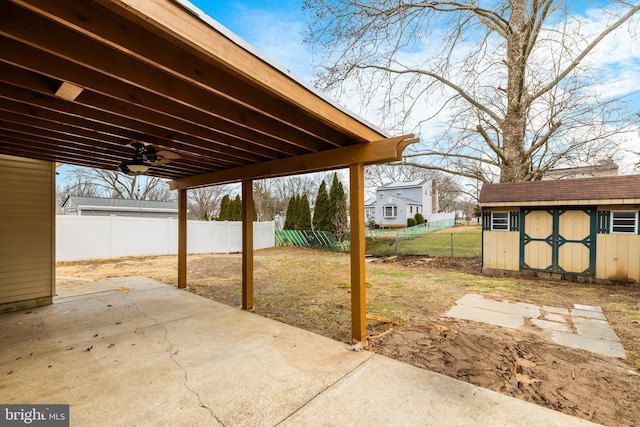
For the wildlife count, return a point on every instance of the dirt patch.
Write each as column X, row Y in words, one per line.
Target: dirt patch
column 310, row 289
column 523, row 365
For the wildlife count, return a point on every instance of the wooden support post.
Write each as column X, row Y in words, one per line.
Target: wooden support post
column 182, row 238
column 358, row 288
column 247, row 244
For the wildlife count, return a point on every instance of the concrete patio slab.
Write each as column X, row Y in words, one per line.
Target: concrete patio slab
column 133, row 351
column 382, row 392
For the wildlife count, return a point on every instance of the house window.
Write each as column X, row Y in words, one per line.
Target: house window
column 390, row 211
column 624, row 222
column 410, row 209
column 398, row 193
column 500, row 221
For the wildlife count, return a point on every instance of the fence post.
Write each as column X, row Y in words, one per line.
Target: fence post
column 397, row 234
column 451, row 234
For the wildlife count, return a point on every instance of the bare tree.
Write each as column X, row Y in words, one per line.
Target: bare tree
column 76, row 187
column 118, row 185
column 504, row 86
column 203, row 201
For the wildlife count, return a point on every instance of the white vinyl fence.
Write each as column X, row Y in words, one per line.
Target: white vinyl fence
column 88, row 237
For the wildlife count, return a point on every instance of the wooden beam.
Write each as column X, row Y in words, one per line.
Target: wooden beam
column 182, row 239
column 140, row 40
column 221, row 113
column 31, row 90
column 358, row 287
column 247, row 244
column 386, row 150
column 121, row 97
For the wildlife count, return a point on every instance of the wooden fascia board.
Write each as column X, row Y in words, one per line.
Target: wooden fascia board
column 173, row 19
column 584, row 202
column 381, row 151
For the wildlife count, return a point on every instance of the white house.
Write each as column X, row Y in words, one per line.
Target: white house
column 395, row 202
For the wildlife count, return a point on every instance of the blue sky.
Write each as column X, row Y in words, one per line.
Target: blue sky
column 276, row 28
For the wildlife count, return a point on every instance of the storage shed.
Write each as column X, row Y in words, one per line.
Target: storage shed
column 577, row 229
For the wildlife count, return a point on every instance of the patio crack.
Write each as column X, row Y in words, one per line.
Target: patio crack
column 172, row 353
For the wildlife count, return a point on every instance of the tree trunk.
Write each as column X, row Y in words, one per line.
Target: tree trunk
column 516, row 165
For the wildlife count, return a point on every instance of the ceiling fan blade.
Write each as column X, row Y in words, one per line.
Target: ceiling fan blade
column 161, row 161
column 166, row 154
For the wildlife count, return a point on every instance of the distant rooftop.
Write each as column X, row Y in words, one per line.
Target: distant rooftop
column 405, row 184
column 105, row 202
column 602, row 188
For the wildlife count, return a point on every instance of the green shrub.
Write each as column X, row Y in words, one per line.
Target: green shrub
column 411, row 222
column 419, row 218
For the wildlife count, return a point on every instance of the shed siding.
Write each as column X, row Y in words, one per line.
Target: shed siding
column 501, row 250
column 27, row 202
column 618, row 257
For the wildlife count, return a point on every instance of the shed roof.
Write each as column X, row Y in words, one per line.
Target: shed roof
column 106, row 202
column 618, row 189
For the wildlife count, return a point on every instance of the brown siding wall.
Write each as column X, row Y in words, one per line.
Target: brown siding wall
column 27, row 234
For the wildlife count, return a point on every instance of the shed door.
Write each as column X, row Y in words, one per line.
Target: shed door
column 558, row 241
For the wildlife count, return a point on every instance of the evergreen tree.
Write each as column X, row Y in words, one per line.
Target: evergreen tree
column 236, row 209
column 255, row 212
column 304, row 214
column 321, row 214
column 338, row 203
column 290, row 220
column 224, row 208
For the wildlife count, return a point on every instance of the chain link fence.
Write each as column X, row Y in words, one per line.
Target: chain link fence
column 420, row 240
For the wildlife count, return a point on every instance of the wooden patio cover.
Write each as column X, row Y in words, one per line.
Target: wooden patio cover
column 80, row 80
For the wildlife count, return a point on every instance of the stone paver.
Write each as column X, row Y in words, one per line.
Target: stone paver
column 594, row 345
column 486, row 316
column 520, row 309
column 551, row 326
column 587, row 307
column 593, row 332
column 557, row 310
column 593, row 328
column 555, row 318
column 588, row 314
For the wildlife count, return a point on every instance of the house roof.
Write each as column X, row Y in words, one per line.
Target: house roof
column 614, row 189
column 402, row 199
column 80, row 81
column 405, row 184
column 107, row 203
